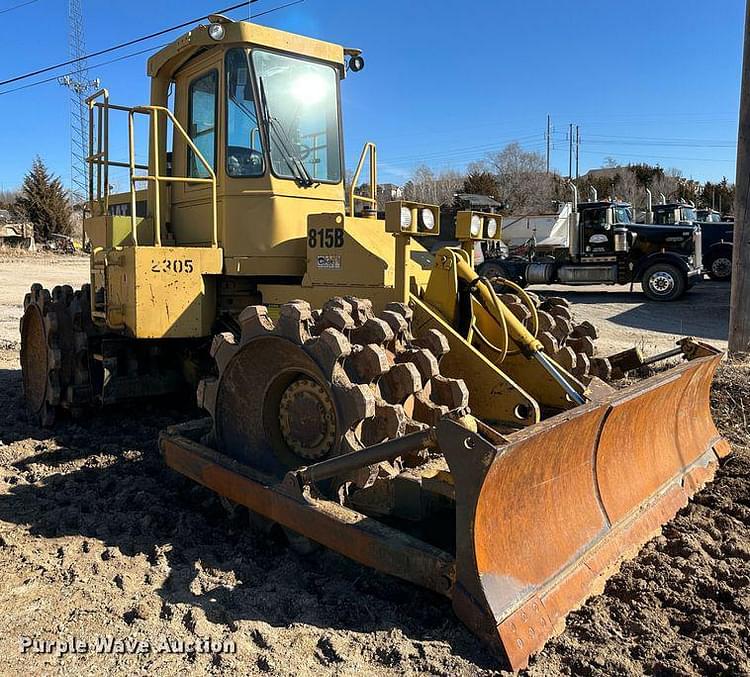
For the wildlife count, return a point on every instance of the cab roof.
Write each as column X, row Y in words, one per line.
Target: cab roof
column 604, row 203
column 171, row 57
column 672, row 205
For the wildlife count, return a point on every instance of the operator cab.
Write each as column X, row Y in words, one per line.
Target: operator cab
column 261, row 115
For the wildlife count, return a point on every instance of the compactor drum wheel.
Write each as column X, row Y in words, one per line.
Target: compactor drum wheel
column 319, row 383
column 54, row 351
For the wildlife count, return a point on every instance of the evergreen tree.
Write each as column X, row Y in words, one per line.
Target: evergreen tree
column 481, row 183
column 44, row 201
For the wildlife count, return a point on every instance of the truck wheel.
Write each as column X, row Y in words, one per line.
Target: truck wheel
column 491, row 269
column 719, row 266
column 663, row 282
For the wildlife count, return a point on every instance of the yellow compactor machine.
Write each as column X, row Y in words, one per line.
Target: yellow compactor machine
column 368, row 395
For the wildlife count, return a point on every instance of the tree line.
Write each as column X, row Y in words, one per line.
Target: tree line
column 518, row 179
column 515, row 177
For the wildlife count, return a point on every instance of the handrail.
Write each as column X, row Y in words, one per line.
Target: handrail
column 371, row 199
column 157, row 178
column 101, row 157
column 99, row 162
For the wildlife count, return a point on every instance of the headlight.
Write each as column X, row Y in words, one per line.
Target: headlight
column 405, row 218
column 428, row 219
column 216, row 32
column 476, row 226
column 491, row 228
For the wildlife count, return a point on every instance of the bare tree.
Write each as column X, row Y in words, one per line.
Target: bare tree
column 523, row 183
column 433, row 188
column 8, row 198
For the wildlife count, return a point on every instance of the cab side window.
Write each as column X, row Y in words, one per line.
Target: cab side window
column 202, row 100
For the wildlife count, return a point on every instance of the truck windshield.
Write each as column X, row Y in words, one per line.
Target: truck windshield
column 688, row 214
column 665, row 217
column 300, row 101
column 621, row 214
column 594, row 217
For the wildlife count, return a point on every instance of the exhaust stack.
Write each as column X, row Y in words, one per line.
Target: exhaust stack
column 573, row 223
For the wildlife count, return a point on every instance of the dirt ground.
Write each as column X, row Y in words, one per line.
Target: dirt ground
column 625, row 318
column 99, row 540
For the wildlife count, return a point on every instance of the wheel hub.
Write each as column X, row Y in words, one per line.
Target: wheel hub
column 307, row 419
column 722, row 267
column 661, row 283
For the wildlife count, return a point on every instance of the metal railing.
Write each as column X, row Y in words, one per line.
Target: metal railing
column 372, row 198
column 99, row 162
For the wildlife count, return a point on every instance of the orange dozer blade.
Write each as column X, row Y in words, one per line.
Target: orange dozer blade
column 548, row 514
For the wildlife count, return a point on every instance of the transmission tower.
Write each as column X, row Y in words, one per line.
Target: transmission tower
column 79, row 84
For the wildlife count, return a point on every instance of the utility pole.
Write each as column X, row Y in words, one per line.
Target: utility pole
column 570, row 151
column 80, row 86
column 578, row 149
column 548, row 135
column 739, row 314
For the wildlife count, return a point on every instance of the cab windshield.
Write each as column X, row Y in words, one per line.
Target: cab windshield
column 596, row 217
column 299, row 101
column 688, row 214
column 665, row 217
column 621, row 214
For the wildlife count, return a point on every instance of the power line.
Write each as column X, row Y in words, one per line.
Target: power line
column 459, row 154
column 55, row 78
column 478, row 147
column 644, row 141
column 23, row 4
column 653, row 138
column 40, row 71
column 656, row 144
column 273, row 9
column 661, row 157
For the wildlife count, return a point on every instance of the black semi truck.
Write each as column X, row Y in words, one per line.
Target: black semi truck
column 597, row 243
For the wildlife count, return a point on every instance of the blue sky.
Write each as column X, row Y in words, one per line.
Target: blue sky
column 445, row 82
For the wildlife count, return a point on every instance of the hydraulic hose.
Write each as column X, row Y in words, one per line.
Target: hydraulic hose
column 521, row 336
column 529, row 345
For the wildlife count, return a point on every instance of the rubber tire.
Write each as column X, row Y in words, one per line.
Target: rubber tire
column 712, row 274
column 680, row 282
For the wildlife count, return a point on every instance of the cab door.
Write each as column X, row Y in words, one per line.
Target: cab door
column 199, row 109
column 597, row 238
